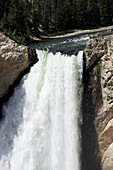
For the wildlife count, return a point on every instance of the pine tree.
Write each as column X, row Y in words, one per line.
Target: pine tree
column 68, row 15
column 105, row 12
column 4, row 11
column 74, row 13
column 46, row 19
column 81, row 19
column 19, row 16
column 36, row 15
column 60, row 15
column 53, row 14
column 22, row 17
column 93, row 15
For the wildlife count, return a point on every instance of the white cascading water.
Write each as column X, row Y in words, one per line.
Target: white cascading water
column 40, row 129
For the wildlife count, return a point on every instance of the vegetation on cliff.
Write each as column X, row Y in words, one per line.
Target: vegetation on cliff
column 22, row 18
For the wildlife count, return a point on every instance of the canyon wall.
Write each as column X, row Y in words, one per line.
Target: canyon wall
column 97, row 130
column 14, row 62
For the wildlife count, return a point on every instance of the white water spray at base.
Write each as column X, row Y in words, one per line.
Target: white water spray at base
column 40, row 130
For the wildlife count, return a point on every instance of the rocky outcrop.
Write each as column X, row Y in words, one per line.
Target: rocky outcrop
column 98, row 105
column 14, row 60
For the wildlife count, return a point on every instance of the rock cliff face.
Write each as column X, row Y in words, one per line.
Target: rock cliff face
column 14, row 60
column 97, row 129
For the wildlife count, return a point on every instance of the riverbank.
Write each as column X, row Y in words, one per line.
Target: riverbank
column 73, row 33
column 77, row 33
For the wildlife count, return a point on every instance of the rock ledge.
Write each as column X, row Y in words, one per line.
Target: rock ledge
column 14, row 60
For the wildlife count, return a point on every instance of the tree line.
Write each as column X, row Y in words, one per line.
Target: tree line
column 21, row 18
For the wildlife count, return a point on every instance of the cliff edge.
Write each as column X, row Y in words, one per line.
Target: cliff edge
column 14, row 61
column 98, row 104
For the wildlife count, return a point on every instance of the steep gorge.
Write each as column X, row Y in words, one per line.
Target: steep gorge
column 97, row 128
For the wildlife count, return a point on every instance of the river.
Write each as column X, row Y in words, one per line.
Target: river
column 41, row 125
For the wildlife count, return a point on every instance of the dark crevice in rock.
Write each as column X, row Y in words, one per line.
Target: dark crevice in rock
column 91, row 103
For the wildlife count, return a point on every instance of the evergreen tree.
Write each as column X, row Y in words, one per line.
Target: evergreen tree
column 68, row 15
column 81, row 14
column 53, row 14
column 93, row 15
column 4, row 11
column 46, row 14
column 74, row 14
column 105, row 12
column 24, row 17
column 16, row 18
column 60, row 15
column 36, row 15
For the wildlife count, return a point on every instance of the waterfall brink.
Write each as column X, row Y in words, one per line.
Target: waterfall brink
column 40, row 129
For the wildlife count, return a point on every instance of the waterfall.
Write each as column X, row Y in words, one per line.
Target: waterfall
column 40, row 129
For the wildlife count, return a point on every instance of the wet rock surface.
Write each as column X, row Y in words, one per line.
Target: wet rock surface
column 98, row 95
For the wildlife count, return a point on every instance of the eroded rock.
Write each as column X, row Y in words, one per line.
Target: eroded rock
column 98, row 57
column 14, row 60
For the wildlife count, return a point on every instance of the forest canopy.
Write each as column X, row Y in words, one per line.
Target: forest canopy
column 21, row 18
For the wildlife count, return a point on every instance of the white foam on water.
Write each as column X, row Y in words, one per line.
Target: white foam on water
column 40, row 129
